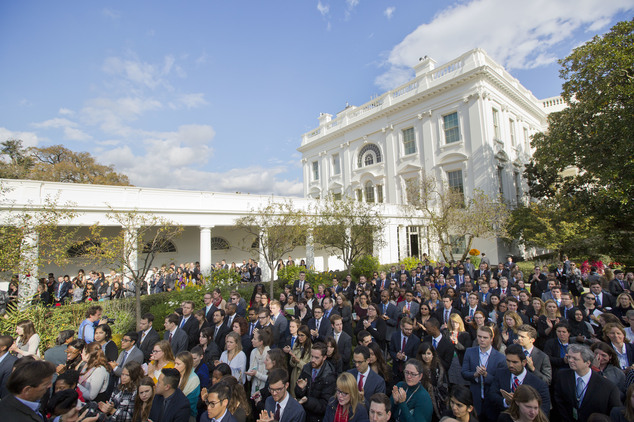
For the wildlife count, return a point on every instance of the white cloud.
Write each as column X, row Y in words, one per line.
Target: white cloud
column 29, row 139
column 70, row 129
column 66, row 112
column 109, row 13
column 57, row 122
column 189, row 101
column 323, row 8
column 389, row 12
column 112, row 115
column 518, row 34
column 140, row 73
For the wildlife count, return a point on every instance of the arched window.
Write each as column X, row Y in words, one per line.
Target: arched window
column 159, row 246
column 81, row 249
column 369, row 192
column 219, row 244
column 369, row 154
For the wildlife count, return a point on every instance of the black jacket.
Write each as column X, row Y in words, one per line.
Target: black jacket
column 318, row 391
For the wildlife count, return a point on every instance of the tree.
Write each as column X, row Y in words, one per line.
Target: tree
column 587, row 156
column 34, row 236
column 348, row 229
column 273, row 231
column 451, row 215
column 133, row 249
column 56, row 164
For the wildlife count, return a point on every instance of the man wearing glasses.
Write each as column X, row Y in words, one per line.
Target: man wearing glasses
column 129, row 353
column 170, row 404
column 368, row 381
column 217, row 403
column 280, row 406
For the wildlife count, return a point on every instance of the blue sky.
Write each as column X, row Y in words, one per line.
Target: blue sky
column 215, row 95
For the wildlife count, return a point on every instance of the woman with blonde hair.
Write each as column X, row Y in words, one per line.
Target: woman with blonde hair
column 458, row 335
column 161, row 357
column 94, row 373
column 28, row 341
column 348, row 405
column 547, row 322
column 234, row 356
column 537, row 309
column 190, row 383
column 510, row 324
column 526, row 406
column 344, row 308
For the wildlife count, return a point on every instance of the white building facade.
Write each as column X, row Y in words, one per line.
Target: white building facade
column 467, row 122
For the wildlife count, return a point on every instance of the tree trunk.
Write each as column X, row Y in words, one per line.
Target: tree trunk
column 272, row 281
column 466, row 252
column 137, row 295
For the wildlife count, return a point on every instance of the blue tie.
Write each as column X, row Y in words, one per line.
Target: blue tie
column 434, row 343
column 292, row 342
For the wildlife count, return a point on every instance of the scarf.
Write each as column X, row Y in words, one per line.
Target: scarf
column 341, row 414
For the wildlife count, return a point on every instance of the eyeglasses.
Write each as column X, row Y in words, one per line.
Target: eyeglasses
column 213, row 403
column 127, row 340
column 358, row 362
column 342, row 393
column 411, row 374
column 276, row 390
column 262, row 317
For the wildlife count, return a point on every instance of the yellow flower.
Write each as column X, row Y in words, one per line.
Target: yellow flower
column 474, row 252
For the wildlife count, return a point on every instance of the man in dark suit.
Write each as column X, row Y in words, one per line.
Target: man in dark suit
column 480, row 366
column 320, row 327
column 280, row 405
column 218, row 408
column 482, row 272
column 389, row 313
column 209, row 307
column 445, row 311
column 6, row 363
column 300, row 285
column 170, row 404
column 579, row 391
column 63, row 286
column 230, row 315
column 316, row 384
column 176, row 337
column 344, row 341
column 27, row 383
column 403, row 345
column 256, row 273
column 538, row 362
column 148, row 336
column 472, row 306
column 368, row 381
column 408, row 307
column 507, row 380
column 219, row 327
column 556, row 348
column 443, row 345
column 382, row 283
column 603, row 298
column 618, row 284
column 189, row 324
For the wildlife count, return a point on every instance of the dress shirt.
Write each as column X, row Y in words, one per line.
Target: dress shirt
column 282, row 404
column 586, row 380
column 365, row 376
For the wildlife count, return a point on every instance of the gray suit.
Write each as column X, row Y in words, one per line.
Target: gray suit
column 392, row 322
column 413, row 310
column 543, row 369
column 281, row 325
column 56, row 355
column 179, row 341
column 134, row 355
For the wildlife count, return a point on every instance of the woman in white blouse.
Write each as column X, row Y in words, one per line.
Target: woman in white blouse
column 28, row 341
column 94, row 375
column 258, row 373
column 234, row 356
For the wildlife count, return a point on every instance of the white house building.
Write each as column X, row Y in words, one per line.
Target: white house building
column 467, row 122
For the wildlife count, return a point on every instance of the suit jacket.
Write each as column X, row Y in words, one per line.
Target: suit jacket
column 179, row 341
column 496, row 362
column 345, row 348
column 256, row 274
column 317, row 391
column 134, row 355
column 148, row 343
column 227, row 418
column 601, row 396
column 411, row 349
column 485, row 274
column 219, row 337
column 191, row 329
column 543, row 369
column 55, row 355
column 413, row 311
column 445, row 350
column 616, row 288
column 177, row 411
column 293, row 412
column 551, row 348
column 377, row 331
column 371, row 385
column 12, row 409
column 6, row 366
column 392, row 322
column 210, row 315
column 63, row 293
column 440, row 313
column 325, row 328
column 281, row 326
column 494, row 402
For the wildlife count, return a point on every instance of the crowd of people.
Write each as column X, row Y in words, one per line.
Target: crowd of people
column 437, row 342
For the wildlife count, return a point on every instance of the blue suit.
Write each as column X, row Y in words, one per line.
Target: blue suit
column 494, row 402
column 293, row 412
column 495, row 363
column 371, row 385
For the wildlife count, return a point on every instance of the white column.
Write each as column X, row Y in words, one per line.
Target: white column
column 131, row 253
column 28, row 275
column 205, row 250
column 266, row 271
column 310, row 249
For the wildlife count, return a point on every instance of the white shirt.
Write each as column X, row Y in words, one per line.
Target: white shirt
column 586, row 380
column 283, row 404
column 520, row 377
column 365, row 376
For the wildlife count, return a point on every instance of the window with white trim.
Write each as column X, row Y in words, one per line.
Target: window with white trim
column 359, row 195
column 501, row 180
column 379, row 194
column 336, row 164
column 451, row 128
column 369, row 192
column 496, row 125
column 512, row 130
column 315, row 170
column 455, row 182
column 409, row 141
column 369, row 155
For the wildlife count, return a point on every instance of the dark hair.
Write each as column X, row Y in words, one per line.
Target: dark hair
column 321, row 346
column 517, row 350
column 278, row 374
column 362, row 350
column 136, row 373
column 148, row 316
column 63, row 336
column 223, row 368
column 278, row 357
column 62, row 402
column 461, row 394
column 222, row 390
column 198, row 350
column 605, row 348
column 6, row 341
column 106, row 330
column 134, row 336
column 172, row 377
column 30, row 374
column 362, row 334
column 383, row 369
column 92, row 310
column 70, row 377
column 142, row 412
column 381, row 398
column 173, row 318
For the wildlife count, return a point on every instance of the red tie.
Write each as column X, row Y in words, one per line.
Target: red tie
column 361, row 382
column 404, row 341
column 408, row 306
column 277, row 412
column 170, row 338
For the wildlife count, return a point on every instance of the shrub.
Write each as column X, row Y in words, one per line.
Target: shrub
column 410, row 263
column 365, row 265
